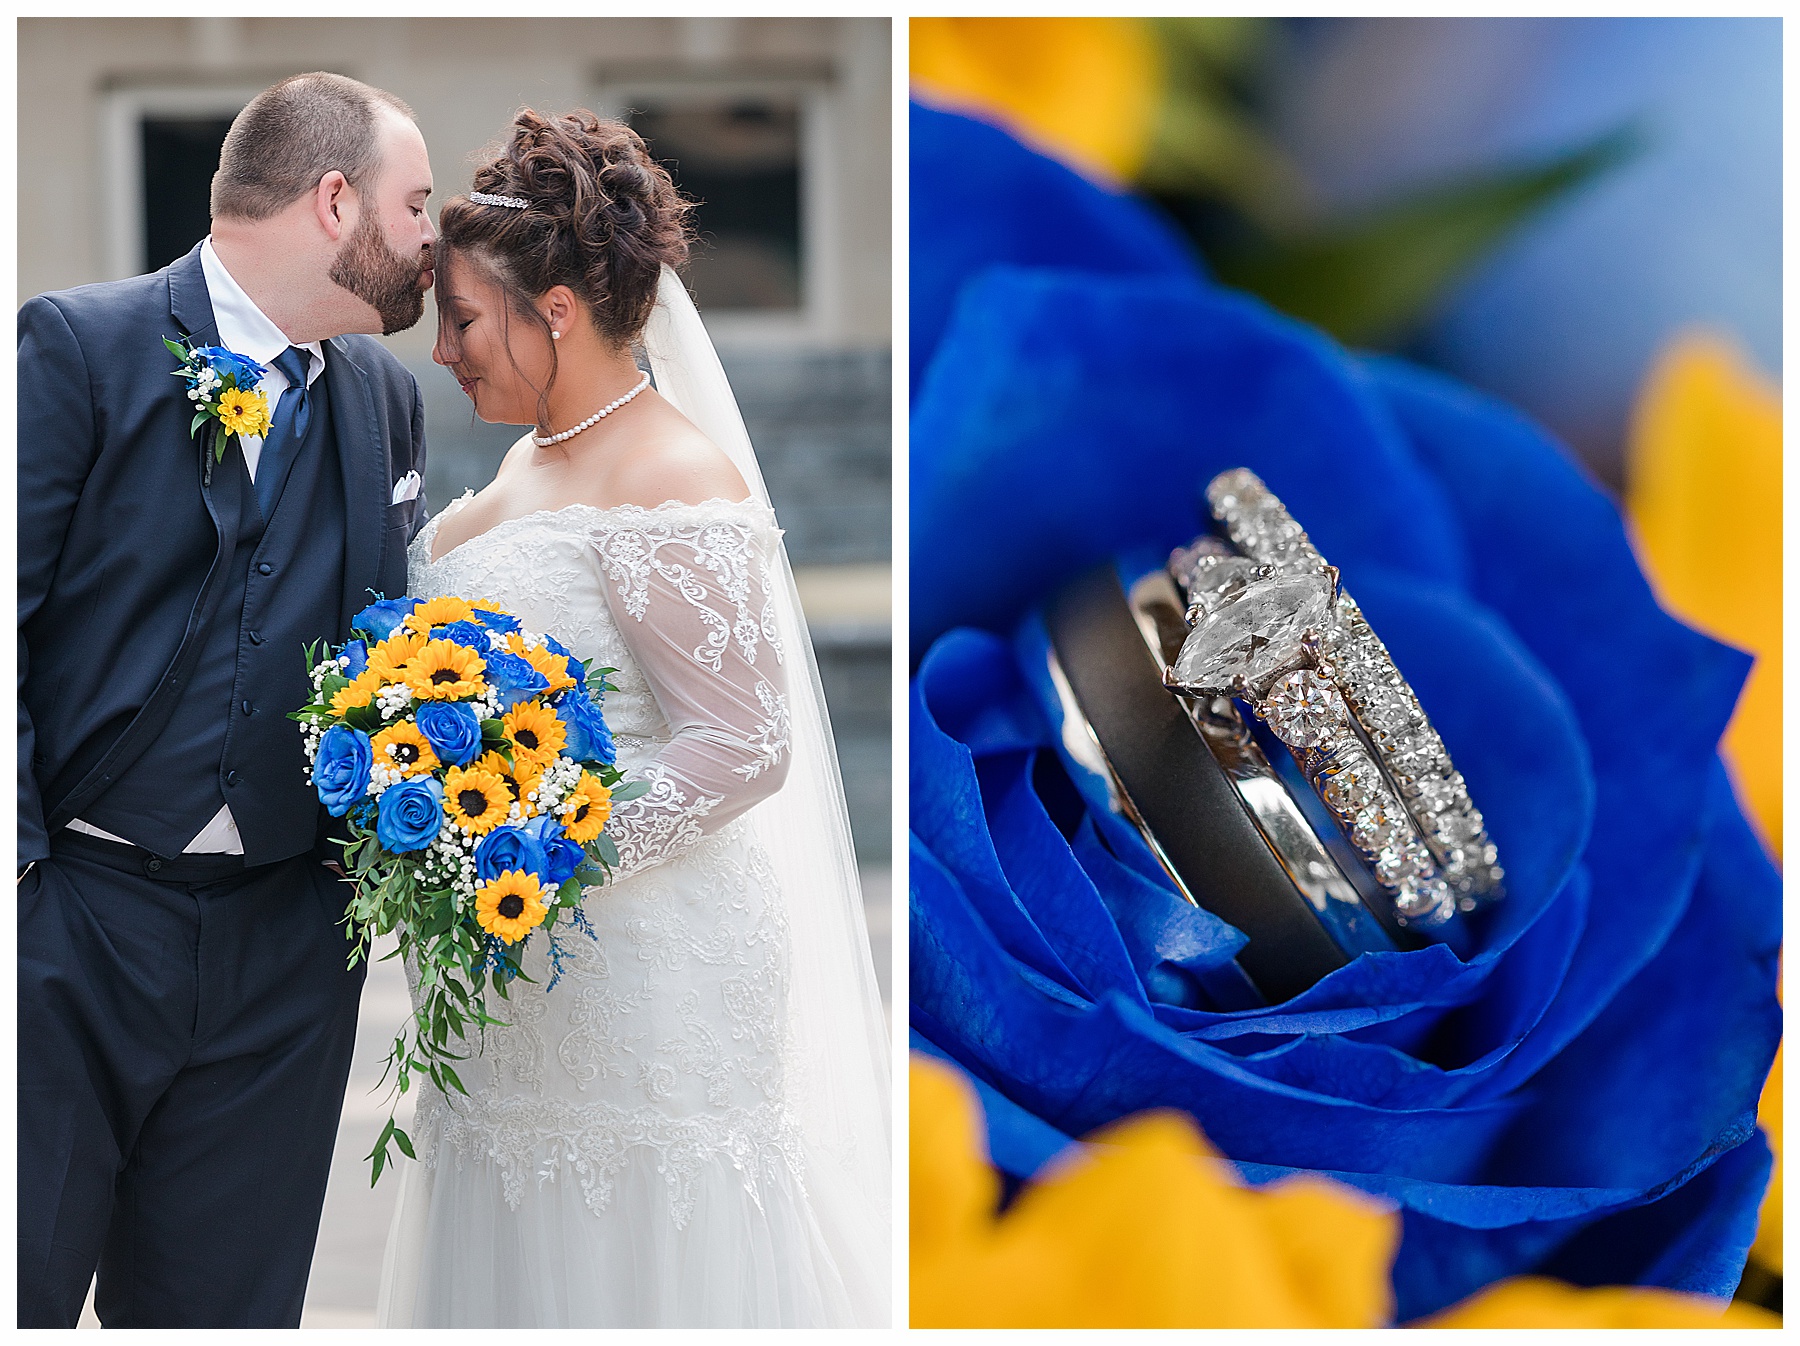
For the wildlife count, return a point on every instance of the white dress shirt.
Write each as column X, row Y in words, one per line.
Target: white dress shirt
column 244, row 329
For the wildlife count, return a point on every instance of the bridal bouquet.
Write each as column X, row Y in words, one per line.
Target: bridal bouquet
column 474, row 767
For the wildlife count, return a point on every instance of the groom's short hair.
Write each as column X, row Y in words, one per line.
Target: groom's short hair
column 292, row 134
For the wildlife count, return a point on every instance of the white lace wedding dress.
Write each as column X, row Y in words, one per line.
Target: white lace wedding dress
column 628, row 1154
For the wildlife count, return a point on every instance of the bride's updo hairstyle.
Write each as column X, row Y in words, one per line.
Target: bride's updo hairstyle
column 601, row 217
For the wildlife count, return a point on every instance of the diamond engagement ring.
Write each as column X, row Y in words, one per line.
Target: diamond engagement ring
column 1272, row 626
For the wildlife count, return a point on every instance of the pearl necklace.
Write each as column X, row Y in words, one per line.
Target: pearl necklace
column 545, row 441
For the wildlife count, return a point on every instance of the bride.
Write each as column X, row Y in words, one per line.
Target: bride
column 691, row 1128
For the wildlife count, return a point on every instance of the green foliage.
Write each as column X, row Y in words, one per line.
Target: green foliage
column 1371, row 279
column 1368, row 279
column 455, row 964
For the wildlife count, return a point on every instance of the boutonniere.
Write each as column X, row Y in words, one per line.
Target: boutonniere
column 222, row 386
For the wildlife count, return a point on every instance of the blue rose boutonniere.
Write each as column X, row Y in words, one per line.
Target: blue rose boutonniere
column 222, row 385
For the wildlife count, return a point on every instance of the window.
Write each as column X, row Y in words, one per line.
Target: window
column 739, row 159
column 180, row 155
column 160, row 148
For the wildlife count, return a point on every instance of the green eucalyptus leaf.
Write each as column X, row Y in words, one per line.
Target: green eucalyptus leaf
column 629, row 790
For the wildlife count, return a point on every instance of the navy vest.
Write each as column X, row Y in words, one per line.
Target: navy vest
column 229, row 740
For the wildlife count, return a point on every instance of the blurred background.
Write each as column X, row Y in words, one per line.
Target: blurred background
column 1537, row 205
column 780, row 127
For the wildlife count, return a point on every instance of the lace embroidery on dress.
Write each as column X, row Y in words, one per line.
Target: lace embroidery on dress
column 667, row 1034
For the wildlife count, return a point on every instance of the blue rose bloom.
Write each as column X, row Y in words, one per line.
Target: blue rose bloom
column 561, row 856
column 357, row 652
column 411, row 814
column 589, row 737
column 472, row 635
column 341, row 768
column 509, row 848
column 1576, row 1096
column 496, row 621
column 241, row 369
column 452, row 730
column 383, row 617
column 513, row 677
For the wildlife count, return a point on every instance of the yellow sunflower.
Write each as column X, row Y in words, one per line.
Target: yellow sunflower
column 511, row 906
column 585, row 810
column 390, row 658
column 402, row 746
column 244, row 413
column 535, row 732
column 553, row 666
column 437, row 612
column 445, row 671
column 521, row 776
column 475, row 800
column 360, row 692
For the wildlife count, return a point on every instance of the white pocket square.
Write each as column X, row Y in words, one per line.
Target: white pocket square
column 407, row 488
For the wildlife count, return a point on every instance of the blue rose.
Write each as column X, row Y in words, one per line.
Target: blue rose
column 509, row 848
column 357, row 652
column 1574, row 1097
column 472, row 635
column 383, row 617
column 452, row 730
column 411, row 814
column 341, row 768
column 496, row 621
column 561, row 856
column 589, row 738
column 241, row 369
column 513, row 677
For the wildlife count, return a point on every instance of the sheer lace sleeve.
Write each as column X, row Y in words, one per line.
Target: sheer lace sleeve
column 689, row 591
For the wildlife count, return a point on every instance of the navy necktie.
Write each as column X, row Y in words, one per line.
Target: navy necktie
column 283, row 444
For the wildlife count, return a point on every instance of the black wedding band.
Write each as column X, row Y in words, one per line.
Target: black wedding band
column 1163, row 770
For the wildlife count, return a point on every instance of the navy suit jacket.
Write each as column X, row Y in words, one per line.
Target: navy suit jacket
column 118, row 535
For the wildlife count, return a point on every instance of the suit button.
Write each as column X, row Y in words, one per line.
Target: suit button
column 153, row 864
column 249, row 709
column 265, row 569
column 256, row 637
column 231, row 778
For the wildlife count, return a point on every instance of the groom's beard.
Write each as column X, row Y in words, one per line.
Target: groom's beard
column 381, row 278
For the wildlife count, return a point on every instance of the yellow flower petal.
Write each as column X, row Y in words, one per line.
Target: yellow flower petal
column 1147, row 1228
column 1705, row 501
column 1532, row 1301
column 1084, row 91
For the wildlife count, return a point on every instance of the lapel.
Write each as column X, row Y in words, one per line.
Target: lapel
column 191, row 307
column 362, row 459
column 189, row 303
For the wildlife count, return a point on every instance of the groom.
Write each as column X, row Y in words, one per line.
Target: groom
column 185, row 1015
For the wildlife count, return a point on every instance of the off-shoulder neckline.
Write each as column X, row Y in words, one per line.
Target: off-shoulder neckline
column 712, row 504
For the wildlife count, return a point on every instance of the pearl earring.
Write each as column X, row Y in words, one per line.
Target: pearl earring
column 555, row 335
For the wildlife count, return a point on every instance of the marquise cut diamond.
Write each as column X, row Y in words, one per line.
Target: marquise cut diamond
column 1254, row 635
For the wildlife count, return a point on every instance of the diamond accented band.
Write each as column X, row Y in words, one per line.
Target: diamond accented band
column 1271, row 625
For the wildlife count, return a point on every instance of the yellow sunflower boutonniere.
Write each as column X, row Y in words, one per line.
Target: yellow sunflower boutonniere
column 222, row 385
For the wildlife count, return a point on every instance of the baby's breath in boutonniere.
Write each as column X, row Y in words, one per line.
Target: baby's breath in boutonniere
column 222, row 386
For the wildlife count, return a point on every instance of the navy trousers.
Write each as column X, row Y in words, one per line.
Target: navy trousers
column 183, row 1051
